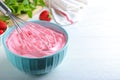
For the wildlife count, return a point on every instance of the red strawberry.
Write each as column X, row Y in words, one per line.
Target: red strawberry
column 1, row 31
column 45, row 15
column 3, row 26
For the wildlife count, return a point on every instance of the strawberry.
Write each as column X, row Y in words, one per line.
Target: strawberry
column 1, row 31
column 45, row 15
column 3, row 26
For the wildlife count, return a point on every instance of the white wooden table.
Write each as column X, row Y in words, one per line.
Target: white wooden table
column 94, row 51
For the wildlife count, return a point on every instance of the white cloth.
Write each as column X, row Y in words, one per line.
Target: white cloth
column 66, row 11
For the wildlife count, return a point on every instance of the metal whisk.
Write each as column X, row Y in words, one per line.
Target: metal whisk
column 19, row 23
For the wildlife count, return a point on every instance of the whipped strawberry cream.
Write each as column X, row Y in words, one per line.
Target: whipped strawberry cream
column 35, row 41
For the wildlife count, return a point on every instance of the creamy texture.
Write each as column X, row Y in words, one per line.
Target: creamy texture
column 35, row 41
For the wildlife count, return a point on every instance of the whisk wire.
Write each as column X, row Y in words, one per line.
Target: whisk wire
column 24, row 36
column 19, row 23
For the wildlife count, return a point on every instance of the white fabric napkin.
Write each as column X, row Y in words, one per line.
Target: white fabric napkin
column 66, row 12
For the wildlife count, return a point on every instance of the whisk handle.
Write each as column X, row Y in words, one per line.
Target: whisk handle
column 4, row 8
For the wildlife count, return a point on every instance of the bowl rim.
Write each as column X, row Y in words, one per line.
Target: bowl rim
column 55, row 53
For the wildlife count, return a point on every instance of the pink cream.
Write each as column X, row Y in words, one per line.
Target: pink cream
column 35, row 41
